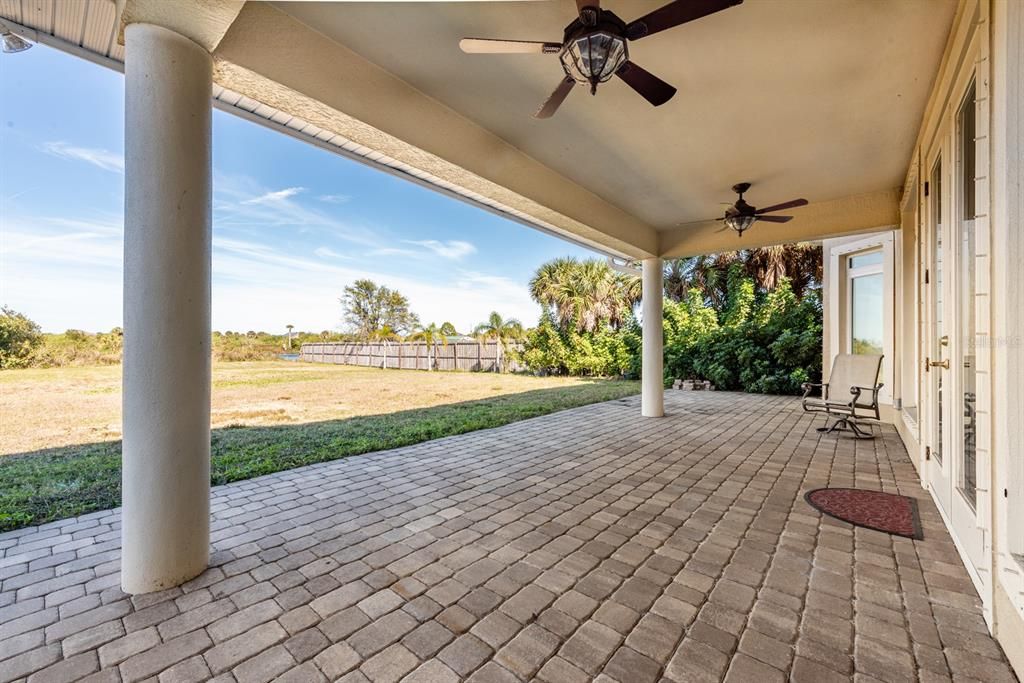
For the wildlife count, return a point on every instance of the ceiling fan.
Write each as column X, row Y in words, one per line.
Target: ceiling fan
column 740, row 216
column 595, row 47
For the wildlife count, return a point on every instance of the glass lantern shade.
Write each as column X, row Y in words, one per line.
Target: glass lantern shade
column 11, row 43
column 740, row 223
column 594, row 57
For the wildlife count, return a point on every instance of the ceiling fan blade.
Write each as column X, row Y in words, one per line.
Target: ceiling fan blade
column 674, row 14
column 556, row 99
column 650, row 87
column 779, row 207
column 775, row 219
column 495, row 46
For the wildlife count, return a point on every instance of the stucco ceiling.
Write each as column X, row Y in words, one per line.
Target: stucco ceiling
column 801, row 97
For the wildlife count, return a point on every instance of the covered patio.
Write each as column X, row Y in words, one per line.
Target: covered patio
column 590, row 542
column 581, row 545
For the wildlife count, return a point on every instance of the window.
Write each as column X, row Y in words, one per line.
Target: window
column 938, row 325
column 965, row 130
column 871, row 258
column 867, row 310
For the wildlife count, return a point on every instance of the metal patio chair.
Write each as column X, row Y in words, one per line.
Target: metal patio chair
column 849, row 396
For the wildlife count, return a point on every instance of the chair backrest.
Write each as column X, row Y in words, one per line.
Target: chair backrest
column 853, row 370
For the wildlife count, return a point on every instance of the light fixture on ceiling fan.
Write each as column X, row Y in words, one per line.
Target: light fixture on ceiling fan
column 11, row 42
column 740, row 216
column 595, row 47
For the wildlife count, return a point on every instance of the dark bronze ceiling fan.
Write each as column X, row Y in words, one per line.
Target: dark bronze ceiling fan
column 595, row 47
column 740, row 215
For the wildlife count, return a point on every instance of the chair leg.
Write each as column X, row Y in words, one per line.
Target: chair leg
column 860, row 433
column 840, row 424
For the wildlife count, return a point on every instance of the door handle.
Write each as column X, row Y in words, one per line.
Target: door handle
column 944, row 364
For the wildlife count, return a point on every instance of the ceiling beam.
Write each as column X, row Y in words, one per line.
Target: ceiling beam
column 819, row 220
column 272, row 58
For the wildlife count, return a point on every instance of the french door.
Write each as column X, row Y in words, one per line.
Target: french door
column 950, row 369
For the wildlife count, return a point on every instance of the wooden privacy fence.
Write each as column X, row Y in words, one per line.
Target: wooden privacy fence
column 470, row 356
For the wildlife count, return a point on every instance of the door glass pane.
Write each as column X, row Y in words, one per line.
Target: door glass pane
column 866, row 320
column 936, row 350
column 872, row 258
column 966, row 288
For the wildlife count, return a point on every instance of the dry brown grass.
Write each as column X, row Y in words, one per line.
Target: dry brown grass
column 51, row 407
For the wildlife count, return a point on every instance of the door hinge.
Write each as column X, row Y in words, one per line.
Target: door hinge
column 927, row 452
column 926, row 188
column 927, row 273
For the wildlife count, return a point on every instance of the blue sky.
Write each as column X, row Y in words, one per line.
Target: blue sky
column 292, row 224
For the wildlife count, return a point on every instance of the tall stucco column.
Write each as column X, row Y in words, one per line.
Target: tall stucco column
column 167, row 247
column 652, row 398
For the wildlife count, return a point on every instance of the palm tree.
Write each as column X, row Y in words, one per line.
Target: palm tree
column 548, row 287
column 431, row 334
column 675, row 279
column 585, row 295
column 799, row 262
column 449, row 330
column 290, row 328
column 501, row 330
column 385, row 334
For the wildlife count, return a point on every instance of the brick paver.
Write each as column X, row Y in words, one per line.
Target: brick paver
column 587, row 544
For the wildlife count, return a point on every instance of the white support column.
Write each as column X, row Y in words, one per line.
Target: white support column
column 167, row 247
column 652, row 399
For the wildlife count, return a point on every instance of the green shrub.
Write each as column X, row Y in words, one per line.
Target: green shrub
column 19, row 337
column 762, row 342
column 75, row 347
column 766, row 343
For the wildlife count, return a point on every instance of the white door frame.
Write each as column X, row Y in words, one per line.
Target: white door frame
column 967, row 528
column 838, row 275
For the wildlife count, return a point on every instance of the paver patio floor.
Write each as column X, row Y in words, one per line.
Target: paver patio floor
column 586, row 544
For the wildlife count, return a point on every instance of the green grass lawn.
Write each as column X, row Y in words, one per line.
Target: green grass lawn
column 70, row 480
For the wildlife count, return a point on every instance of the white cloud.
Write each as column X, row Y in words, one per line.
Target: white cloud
column 67, row 273
column 452, row 249
column 62, row 273
column 103, row 158
column 395, row 251
column 256, row 286
column 328, row 253
column 334, row 198
column 242, row 203
column 275, row 196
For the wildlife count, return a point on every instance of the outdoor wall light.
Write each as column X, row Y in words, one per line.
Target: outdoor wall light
column 593, row 58
column 739, row 223
column 11, row 43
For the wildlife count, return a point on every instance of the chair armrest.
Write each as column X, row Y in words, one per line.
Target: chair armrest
column 807, row 386
column 857, row 391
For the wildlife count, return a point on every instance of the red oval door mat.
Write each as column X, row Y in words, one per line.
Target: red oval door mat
column 876, row 510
